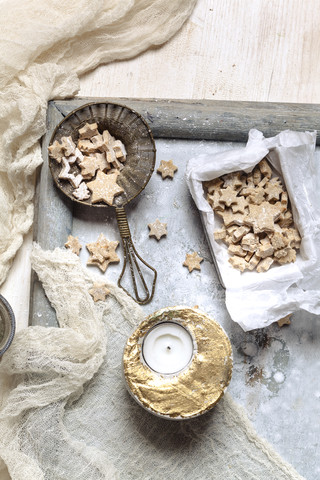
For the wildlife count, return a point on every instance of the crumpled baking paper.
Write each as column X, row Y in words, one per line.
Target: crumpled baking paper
column 255, row 300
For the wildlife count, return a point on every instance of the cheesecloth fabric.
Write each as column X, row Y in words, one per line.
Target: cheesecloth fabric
column 44, row 46
column 66, row 414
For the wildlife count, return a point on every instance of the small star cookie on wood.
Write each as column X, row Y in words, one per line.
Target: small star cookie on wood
column 99, row 291
column 73, row 244
column 104, row 188
column 167, row 169
column 192, row 261
column 157, row 229
column 233, row 180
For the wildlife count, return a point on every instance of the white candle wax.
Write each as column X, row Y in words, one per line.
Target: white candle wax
column 167, row 348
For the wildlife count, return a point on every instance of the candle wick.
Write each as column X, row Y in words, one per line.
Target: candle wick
column 168, row 347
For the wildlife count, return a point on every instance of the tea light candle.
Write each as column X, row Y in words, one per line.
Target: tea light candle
column 167, row 348
column 177, row 363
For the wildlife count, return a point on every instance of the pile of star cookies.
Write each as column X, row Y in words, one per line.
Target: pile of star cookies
column 97, row 157
column 258, row 226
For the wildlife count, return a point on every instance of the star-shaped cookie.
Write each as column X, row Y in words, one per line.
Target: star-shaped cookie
column 192, row 261
column 99, row 291
column 273, row 190
column 157, row 229
column 89, row 130
column 262, row 217
column 230, row 218
column 73, row 244
column 102, row 252
column 240, row 205
column 56, row 151
column 233, row 180
column 104, row 188
column 228, row 196
column 68, row 146
column 167, row 169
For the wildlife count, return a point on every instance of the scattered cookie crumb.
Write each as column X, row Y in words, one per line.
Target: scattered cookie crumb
column 167, row 169
column 99, row 291
column 73, row 244
column 285, row 320
column 192, row 261
column 157, row 229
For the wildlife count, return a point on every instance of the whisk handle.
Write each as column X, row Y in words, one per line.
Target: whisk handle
column 131, row 258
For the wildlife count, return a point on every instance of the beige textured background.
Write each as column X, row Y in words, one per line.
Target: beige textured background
column 254, row 50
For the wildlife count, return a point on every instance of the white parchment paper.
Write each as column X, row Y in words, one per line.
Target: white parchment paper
column 254, row 300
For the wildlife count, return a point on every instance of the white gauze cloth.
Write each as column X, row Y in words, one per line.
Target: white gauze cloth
column 44, row 46
column 65, row 413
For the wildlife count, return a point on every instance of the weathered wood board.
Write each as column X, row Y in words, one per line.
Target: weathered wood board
column 213, row 120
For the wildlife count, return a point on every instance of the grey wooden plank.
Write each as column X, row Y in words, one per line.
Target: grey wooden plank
column 50, row 230
column 213, row 119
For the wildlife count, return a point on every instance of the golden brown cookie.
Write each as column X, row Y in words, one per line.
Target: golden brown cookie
column 56, row 151
column 82, row 192
column 102, row 252
column 73, row 244
column 192, row 261
column 68, row 146
column 262, row 217
column 99, row 291
column 167, row 169
column 104, row 188
column 88, row 131
column 228, row 196
column 157, row 229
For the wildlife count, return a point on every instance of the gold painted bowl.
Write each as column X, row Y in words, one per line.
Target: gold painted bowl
column 196, row 389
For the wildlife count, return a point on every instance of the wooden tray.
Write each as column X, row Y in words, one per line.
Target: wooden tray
column 177, row 119
column 274, row 369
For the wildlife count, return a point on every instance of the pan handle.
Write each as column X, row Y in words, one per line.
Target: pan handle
column 131, row 257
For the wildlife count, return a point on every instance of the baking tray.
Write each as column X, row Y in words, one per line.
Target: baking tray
column 275, row 369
